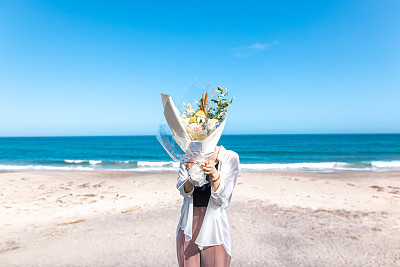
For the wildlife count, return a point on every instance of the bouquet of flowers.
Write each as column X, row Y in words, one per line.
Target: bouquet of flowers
column 196, row 130
column 207, row 117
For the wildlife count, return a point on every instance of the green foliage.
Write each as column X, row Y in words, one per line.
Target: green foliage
column 216, row 109
column 221, row 105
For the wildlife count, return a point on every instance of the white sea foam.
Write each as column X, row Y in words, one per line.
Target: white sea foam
column 94, row 162
column 149, row 169
column 42, row 168
column 305, row 166
column 77, row 161
column 158, row 164
column 386, row 164
column 324, row 166
column 171, row 166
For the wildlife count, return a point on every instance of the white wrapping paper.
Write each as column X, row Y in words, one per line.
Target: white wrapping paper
column 197, row 151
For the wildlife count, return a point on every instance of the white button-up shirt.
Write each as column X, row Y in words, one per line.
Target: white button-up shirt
column 215, row 227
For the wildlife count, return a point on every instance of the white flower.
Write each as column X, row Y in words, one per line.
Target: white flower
column 185, row 120
column 200, row 114
column 212, row 124
column 195, row 126
column 188, row 110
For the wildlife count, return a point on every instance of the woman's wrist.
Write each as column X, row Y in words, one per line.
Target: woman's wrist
column 215, row 177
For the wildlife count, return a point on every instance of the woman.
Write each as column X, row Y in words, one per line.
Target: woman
column 203, row 237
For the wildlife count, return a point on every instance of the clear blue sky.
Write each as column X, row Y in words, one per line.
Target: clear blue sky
column 98, row 67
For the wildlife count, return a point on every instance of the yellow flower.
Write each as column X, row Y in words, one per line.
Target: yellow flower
column 200, row 114
column 192, row 120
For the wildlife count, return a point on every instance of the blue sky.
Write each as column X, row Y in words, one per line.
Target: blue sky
column 98, row 67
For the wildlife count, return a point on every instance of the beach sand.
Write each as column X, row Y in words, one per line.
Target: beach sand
column 122, row 219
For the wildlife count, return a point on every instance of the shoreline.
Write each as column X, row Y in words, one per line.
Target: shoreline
column 276, row 218
column 171, row 166
column 176, row 171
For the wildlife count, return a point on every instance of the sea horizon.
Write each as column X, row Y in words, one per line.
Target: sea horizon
column 127, row 135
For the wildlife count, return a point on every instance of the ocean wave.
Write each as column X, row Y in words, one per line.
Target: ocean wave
column 167, row 166
column 287, row 166
column 386, row 164
column 91, row 165
column 149, row 169
column 80, row 161
column 158, row 164
column 324, row 166
column 76, row 161
column 43, row 168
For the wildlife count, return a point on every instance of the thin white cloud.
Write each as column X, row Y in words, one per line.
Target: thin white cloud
column 246, row 51
column 259, row 46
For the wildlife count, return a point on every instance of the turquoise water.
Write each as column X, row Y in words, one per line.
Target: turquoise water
column 314, row 152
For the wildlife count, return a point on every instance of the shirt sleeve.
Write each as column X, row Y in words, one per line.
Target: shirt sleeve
column 228, row 176
column 182, row 178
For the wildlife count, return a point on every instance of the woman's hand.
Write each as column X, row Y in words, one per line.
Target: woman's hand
column 209, row 165
column 210, row 170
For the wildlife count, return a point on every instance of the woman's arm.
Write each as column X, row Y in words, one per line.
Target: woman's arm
column 215, row 183
column 223, row 187
column 188, row 187
column 185, row 187
column 213, row 174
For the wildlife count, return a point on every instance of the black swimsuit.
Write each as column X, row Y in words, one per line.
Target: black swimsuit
column 201, row 194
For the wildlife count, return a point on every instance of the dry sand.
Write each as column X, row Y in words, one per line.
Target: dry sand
column 276, row 218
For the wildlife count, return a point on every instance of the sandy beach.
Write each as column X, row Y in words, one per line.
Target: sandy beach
column 105, row 218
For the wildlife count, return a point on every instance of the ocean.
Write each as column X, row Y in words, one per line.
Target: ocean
column 291, row 152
